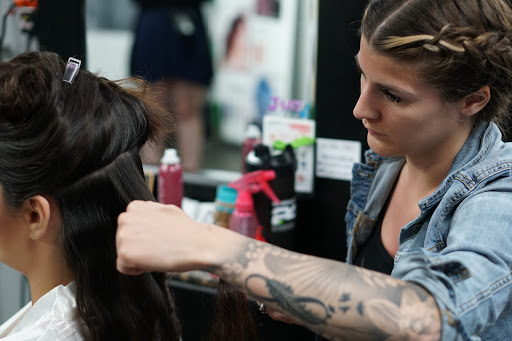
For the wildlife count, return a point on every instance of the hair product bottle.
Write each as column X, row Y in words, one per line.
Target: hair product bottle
column 244, row 219
column 276, row 218
column 170, row 178
column 252, row 138
column 225, row 198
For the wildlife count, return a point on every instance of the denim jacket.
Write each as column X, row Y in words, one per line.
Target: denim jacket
column 459, row 247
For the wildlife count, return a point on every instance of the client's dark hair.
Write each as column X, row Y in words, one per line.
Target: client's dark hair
column 79, row 145
column 233, row 317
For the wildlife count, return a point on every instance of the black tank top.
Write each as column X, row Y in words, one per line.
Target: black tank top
column 373, row 255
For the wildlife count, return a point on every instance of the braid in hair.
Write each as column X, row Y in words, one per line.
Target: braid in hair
column 458, row 46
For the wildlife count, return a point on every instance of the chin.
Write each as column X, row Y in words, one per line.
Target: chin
column 385, row 153
column 382, row 149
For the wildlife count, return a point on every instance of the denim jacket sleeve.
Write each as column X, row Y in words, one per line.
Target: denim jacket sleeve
column 469, row 274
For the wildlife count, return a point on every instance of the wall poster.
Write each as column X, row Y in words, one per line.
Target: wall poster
column 253, row 44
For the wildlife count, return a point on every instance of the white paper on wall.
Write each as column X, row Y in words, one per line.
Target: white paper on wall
column 335, row 158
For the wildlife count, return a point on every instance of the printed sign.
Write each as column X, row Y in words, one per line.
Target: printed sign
column 335, row 158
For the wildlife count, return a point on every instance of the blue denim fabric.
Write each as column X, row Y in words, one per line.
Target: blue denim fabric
column 459, row 248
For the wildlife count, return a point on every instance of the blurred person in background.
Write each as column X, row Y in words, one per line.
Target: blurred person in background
column 171, row 51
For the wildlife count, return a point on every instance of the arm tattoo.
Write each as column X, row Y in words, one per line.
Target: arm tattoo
column 298, row 306
column 340, row 301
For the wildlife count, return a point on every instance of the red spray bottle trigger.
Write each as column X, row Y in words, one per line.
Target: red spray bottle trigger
column 244, row 219
column 254, row 182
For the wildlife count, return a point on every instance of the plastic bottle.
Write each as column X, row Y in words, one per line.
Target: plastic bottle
column 244, row 219
column 276, row 219
column 225, row 199
column 252, row 138
column 170, row 178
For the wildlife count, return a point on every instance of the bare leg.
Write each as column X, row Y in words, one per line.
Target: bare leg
column 189, row 100
column 185, row 100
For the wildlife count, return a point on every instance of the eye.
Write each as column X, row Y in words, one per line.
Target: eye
column 359, row 70
column 390, row 96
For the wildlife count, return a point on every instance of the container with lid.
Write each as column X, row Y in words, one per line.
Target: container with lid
column 170, row 178
column 225, row 198
column 277, row 219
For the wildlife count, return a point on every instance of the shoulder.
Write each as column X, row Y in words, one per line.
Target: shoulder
column 13, row 320
column 44, row 330
column 493, row 167
column 60, row 330
column 481, row 194
column 485, row 160
column 52, row 317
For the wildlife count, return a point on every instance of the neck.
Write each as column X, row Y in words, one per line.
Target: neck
column 49, row 270
column 425, row 172
column 421, row 182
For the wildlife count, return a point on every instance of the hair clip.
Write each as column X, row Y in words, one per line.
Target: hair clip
column 72, row 67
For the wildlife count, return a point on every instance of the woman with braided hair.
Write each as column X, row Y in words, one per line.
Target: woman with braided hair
column 429, row 221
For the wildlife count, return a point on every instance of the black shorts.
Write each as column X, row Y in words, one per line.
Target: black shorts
column 162, row 50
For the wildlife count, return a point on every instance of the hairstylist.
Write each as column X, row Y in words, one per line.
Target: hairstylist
column 429, row 221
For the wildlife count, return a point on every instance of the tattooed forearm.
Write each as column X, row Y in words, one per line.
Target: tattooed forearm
column 335, row 299
column 307, row 309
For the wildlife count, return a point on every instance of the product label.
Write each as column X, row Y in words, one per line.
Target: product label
column 288, row 130
column 283, row 215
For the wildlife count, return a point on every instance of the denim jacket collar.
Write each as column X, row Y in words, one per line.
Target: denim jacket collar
column 458, row 248
column 373, row 181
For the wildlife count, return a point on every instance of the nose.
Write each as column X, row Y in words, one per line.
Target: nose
column 366, row 104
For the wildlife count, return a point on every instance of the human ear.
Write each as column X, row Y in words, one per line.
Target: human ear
column 36, row 213
column 473, row 103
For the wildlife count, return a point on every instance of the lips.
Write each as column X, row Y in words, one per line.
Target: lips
column 370, row 131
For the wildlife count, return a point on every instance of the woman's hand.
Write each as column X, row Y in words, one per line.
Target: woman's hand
column 157, row 237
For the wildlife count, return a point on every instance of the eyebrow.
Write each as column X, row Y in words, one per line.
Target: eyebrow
column 392, row 88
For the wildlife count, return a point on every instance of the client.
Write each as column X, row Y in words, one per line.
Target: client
column 69, row 165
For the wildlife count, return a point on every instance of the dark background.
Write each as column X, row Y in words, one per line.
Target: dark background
column 59, row 26
column 336, row 95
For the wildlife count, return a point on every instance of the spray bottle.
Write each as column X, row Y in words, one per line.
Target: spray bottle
column 170, row 178
column 244, row 219
column 277, row 220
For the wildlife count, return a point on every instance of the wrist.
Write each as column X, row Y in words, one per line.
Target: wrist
column 219, row 248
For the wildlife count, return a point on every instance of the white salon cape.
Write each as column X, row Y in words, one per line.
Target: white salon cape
column 51, row 318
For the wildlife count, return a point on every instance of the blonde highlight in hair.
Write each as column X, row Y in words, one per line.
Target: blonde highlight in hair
column 395, row 42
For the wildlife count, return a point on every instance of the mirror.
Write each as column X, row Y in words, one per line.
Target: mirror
column 263, row 57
